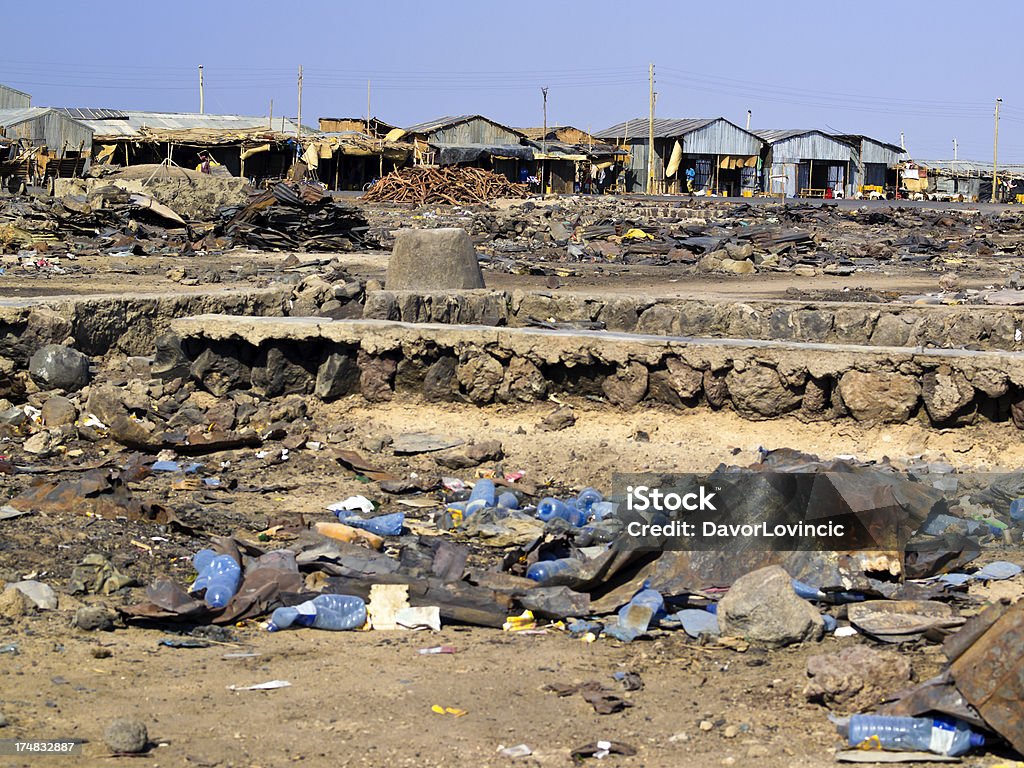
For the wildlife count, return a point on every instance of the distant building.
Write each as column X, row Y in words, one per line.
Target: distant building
column 11, row 98
column 470, row 140
column 243, row 145
column 39, row 142
column 722, row 156
column 377, row 128
column 876, row 161
column 808, row 163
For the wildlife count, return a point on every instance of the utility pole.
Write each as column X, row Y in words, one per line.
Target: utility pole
column 954, row 149
column 544, row 136
column 202, row 104
column 748, row 119
column 270, row 121
column 298, row 122
column 368, row 108
column 650, row 138
column 902, row 144
column 995, row 154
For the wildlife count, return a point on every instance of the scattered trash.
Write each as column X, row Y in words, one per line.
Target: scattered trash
column 437, row 649
column 602, row 749
column 333, row 612
column 438, row 709
column 519, row 750
column 270, row 685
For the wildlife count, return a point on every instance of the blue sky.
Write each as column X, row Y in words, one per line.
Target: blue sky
column 929, row 69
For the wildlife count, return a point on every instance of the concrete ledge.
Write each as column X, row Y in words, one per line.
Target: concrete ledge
column 885, row 325
column 483, row 364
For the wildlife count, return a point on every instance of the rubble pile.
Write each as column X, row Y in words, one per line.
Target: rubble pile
column 450, row 185
column 295, row 216
column 723, row 237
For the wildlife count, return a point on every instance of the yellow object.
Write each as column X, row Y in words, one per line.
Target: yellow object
column 448, row 711
column 637, row 234
column 1020, row 199
column 521, row 622
column 747, row 193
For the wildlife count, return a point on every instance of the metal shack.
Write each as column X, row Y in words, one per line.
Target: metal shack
column 723, row 157
column 12, row 98
column 570, row 160
column 876, row 162
column 242, row 145
column 808, row 163
column 470, row 140
column 377, row 128
column 42, row 142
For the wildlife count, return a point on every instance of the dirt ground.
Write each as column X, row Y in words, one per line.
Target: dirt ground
column 364, row 699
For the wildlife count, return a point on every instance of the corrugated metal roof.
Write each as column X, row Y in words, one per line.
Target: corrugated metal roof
column 129, row 126
column 858, row 137
column 447, row 122
column 21, row 114
column 773, row 135
column 15, row 90
column 664, row 127
column 969, row 166
column 88, row 113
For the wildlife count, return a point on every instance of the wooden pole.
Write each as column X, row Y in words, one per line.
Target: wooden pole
column 270, row 121
column 202, row 101
column 368, row 108
column 995, row 153
column 298, row 125
column 650, row 136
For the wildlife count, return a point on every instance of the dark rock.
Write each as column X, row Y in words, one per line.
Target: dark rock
column 281, row 370
column 93, row 618
column 439, row 382
column 627, row 386
column 376, row 373
column 561, row 418
column 619, row 314
column 523, row 381
column 658, row 320
column 220, row 370
column 337, row 376
column 469, row 456
column 480, row 376
column 716, row 390
column 59, row 367
column 126, row 736
column 169, row 362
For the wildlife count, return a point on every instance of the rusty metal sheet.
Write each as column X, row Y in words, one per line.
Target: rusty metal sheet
column 990, row 675
column 898, row 620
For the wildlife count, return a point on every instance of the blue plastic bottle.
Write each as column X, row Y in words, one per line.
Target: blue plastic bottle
column 481, row 497
column 1017, row 510
column 587, row 498
column 544, row 571
column 603, row 509
column 549, row 509
column 382, row 525
column 508, row 500
column 644, row 608
column 335, row 612
column 219, row 575
column 913, row 733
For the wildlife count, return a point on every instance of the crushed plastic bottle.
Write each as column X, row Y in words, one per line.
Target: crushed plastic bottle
column 943, row 737
column 602, row 510
column 550, row 508
column 334, row 612
column 219, row 575
column 544, row 571
column 482, row 496
column 636, row 617
column 382, row 525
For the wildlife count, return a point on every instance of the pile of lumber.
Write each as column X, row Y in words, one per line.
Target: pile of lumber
column 451, row 185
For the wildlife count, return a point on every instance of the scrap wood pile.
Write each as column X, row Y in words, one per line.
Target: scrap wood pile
column 451, row 185
column 295, row 216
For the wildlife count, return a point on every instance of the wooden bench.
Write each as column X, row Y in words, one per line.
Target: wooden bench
column 812, row 192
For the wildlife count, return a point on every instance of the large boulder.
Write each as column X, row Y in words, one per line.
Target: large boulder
column 887, row 398
column 627, row 386
column 948, row 396
column 433, row 259
column 763, row 608
column 855, row 678
column 58, row 367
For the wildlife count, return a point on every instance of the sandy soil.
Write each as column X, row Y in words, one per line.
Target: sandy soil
column 365, row 698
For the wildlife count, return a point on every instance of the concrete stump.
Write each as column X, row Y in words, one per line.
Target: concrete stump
column 433, row 259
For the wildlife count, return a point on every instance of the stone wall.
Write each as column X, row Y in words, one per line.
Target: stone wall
column 382, row 360
column 886, row 325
